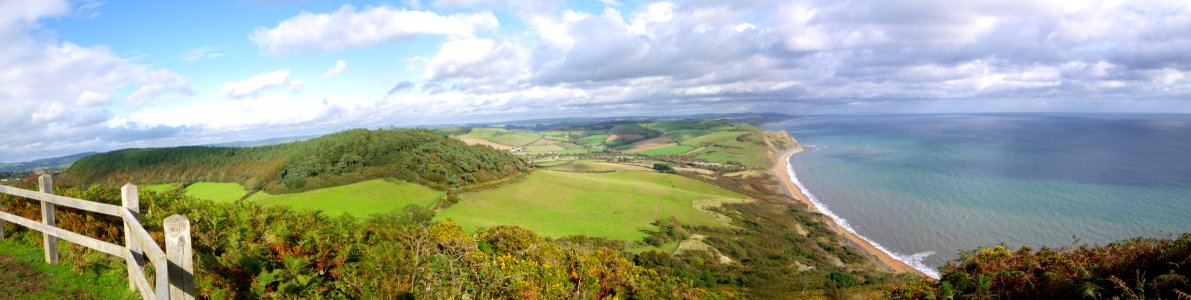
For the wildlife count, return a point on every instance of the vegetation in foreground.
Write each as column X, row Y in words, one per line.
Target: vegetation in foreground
column 1140, row 268
column 25, row 275
column 244, row 250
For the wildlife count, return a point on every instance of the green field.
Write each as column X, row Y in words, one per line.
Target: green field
column 359, row 199
column 561, row 136
column 552, row 163
column 617, row 205
column 593, row 140
column 597, row 165
column 570, row 146
column 673, row 149
column 687, row 134
column 216, row 191
column 719, row 137
column 502, row 136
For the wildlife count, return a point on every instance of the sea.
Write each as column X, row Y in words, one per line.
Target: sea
column 924, row 188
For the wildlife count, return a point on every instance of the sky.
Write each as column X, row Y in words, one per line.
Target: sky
column 80, row 76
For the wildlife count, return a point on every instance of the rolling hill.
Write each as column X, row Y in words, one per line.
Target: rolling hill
column 416, row 155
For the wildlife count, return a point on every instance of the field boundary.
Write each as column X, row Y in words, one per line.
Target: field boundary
column 173, row 267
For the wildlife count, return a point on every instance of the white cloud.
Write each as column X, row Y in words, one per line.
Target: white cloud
column 24, row 12
column 258, row 83
column 653, row 58
column 157, row 83
column 471, row 58
column 201, row 53
column 346, row 28
column 93, row 98
column 339, row 67
column 58, row 94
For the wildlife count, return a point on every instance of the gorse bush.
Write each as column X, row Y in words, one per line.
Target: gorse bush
column 246, row 251
column 1140, row 268
column 415, row 155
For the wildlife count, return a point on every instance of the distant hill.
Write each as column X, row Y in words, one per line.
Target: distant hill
column 61, row 162
column 264, row 142
column 573, row 122
column 416, row 155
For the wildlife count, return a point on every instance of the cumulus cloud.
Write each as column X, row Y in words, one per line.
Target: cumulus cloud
column 823, row 56
column 806, row 56
column 53, row 91
column 471, row 58
column 347, row 28
column 254, row 85
column 339, row 67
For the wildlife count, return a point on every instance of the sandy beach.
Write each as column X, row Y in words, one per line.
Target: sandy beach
column 780, row 169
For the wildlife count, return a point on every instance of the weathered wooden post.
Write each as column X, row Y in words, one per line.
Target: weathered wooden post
column 180, row 256
column 131, row 201
column 47, row 218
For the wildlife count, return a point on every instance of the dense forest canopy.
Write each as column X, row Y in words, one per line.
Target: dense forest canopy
column 416, row 155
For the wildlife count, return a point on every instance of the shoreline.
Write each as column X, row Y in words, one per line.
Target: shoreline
column 782, row 169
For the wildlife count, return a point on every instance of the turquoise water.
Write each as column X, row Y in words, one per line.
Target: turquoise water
column 925, row 187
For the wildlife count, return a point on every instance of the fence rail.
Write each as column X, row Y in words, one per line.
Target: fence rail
column 173, row 267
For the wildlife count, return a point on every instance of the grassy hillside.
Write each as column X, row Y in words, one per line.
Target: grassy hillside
column 619, row 205
column 415, row 155
column 215, row 191
column 502, row 136
column 360, row 199
column 714, row 141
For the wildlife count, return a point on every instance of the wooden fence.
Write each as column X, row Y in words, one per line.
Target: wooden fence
column 173, row 268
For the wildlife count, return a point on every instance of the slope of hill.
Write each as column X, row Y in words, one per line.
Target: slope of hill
column 48, row 163
column 415, row 155
column 718, row 142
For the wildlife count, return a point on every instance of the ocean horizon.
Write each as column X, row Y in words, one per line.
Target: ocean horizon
column 923, row 188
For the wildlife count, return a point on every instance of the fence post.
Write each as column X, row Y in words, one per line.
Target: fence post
column 46, row 183
column 131, row 202
column 180, row 256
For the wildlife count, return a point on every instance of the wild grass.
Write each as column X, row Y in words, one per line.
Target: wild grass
column 24, row 274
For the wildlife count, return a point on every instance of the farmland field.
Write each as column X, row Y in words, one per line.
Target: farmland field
column 593, row 140
column 502, row 136
column 719, row 137
column 359, row 199
column 552, row 163
column 543, row 148
column 672, row 149
column 615, row 205
column 216, row 191
column 595, row 165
